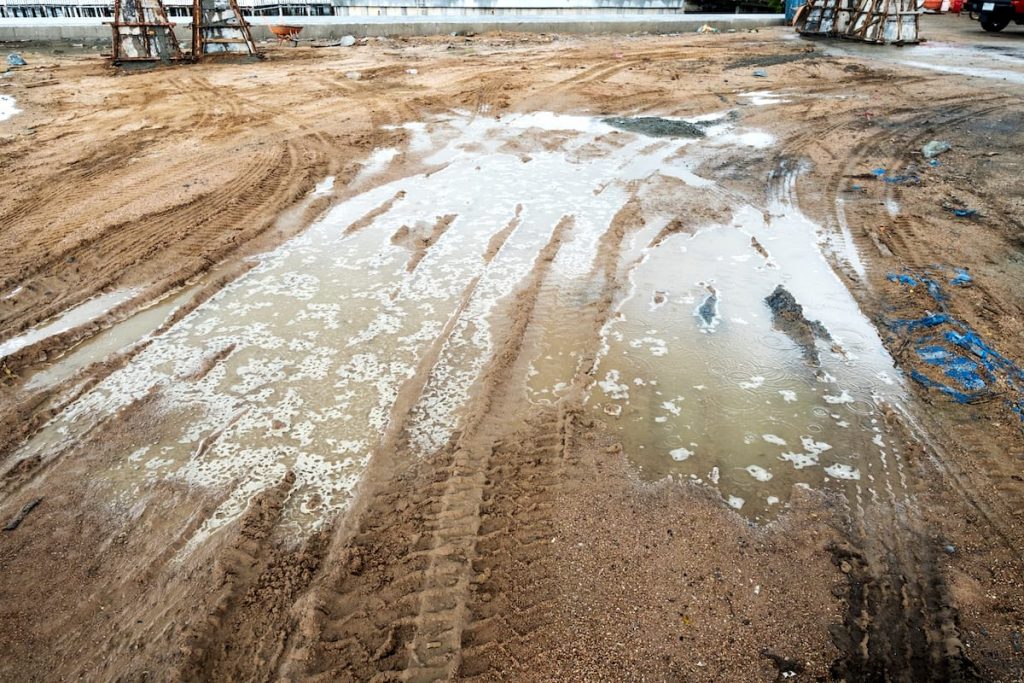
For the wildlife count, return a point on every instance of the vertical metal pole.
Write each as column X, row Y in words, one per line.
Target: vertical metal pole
column 197, row 35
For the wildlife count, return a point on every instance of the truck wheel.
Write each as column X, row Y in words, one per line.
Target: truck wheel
column 993, row 24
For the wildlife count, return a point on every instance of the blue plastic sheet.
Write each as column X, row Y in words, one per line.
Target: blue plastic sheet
column 966, row 368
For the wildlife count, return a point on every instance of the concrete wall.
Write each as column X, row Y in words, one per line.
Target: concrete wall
column 502, row 7
column 89, row 30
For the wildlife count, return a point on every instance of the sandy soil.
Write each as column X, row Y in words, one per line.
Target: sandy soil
column 528, row 549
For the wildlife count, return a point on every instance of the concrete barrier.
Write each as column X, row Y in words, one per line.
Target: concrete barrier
column 333, row 27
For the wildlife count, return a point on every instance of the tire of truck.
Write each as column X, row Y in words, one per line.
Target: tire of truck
column 993, row 24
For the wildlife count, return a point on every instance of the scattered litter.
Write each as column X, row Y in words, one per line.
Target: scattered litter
column 706, row 28
column 412, row 72
column 22, row 514
column 353, row 75
column 959, row 363
column 347, row 41
column 961, row 278
column 14, row 59
column 902, row 279
column 761, row 73
column 962, row 212
column 935, row 148
column 903, row 179
column 934, row 163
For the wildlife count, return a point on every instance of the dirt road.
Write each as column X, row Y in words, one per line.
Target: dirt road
column 428, row 359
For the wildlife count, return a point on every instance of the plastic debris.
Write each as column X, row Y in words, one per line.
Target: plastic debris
column 347, row 41
column 707, row 28
column 902, row 279
column 905, row 179
column 14, row 59
column 962, row 212
column 957, row 362
column 761, row 73
column 935, row 148
column 934, row 163
column 961, row 278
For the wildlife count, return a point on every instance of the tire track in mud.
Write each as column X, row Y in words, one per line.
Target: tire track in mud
column 512, row 603
column 394, row 604
column 901, row 621
column 973, row 486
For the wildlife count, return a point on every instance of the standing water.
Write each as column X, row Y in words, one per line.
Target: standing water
column 303, row 362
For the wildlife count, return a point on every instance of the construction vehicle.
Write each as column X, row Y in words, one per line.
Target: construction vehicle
column 995, row 15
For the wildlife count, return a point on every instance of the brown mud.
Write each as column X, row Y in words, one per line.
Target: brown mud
column 527, row 548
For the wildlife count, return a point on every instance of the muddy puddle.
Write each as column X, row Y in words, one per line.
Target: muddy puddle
column 382, row 316
column 992, row 62
column 703, row 380
column 8, row 107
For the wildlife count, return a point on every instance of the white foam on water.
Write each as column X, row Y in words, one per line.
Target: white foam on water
column 840, row 471
column 788, row 395
column 771, row 438
column 7, row 107
column 761, row 98
column 758, row 473
column 752, row 383
column 843, row 397
column 680, row 454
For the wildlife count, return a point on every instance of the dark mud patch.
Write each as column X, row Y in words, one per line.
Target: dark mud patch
column 657, row 127
column 901, row 624
column 771, row 60
column 788, row 317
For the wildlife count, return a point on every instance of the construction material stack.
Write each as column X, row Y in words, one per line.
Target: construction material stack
column 872, row 21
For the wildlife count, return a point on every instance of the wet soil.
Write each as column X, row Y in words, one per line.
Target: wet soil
column 523, row 544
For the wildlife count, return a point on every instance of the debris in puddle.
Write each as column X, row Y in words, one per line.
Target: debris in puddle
column 16, row 521
column 708, row 310
column 788, row 316
column 15, row 59
column 760, row 73
column 655, row 126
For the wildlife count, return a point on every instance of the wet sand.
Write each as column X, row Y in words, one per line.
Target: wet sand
column 458, row 371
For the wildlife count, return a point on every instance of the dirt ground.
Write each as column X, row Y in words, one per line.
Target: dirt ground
column 528, row 549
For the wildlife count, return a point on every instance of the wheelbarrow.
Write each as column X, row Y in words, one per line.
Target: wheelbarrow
column 285, row 33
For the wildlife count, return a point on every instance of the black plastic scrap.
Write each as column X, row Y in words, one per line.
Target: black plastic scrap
column 22, row 514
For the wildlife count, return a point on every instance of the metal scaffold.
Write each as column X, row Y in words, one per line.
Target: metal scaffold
column 218, row 28
column 872, row 21
column 143, row 33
